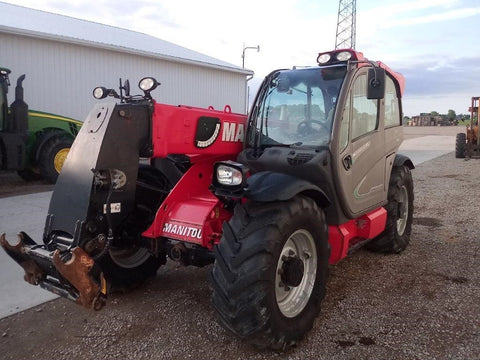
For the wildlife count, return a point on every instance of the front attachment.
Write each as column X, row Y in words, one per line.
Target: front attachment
column 72, row 274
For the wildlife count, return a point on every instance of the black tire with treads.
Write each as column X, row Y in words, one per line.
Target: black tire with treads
column 244, row 276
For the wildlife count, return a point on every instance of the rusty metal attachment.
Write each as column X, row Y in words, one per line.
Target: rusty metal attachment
column 66, row 273
column 33, row 273
column 77, row 272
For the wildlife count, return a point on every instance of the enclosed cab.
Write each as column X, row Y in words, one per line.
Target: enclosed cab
column 319, row 175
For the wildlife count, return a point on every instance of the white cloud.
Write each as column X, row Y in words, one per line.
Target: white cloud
column 374, row 20
column 445, row 16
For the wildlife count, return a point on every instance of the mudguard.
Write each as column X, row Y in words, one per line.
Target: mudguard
column 267, row 186
column 401, row 159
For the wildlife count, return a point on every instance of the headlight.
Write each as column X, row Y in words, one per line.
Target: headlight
column 227, row 175
column 323, row 58
column 148, row 84
column 344, row 56
column 100, row 93
column 229, row 178
column 339, row 56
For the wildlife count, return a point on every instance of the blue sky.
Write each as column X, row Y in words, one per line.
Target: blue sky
column 435, row 44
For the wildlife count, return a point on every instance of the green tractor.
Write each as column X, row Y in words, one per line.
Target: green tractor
column 33, row 143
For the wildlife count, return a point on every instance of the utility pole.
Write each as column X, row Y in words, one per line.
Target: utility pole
column 346, row 24
column 247, row 48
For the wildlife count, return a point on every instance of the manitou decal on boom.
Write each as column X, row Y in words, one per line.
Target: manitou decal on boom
column 233, row 132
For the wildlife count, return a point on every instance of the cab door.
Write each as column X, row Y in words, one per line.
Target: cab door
column 359, row 158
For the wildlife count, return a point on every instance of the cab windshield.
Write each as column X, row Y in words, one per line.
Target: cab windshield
column 297, row 107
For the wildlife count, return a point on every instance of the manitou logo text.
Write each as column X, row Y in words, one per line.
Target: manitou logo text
column 182, row 230
column 233, row 132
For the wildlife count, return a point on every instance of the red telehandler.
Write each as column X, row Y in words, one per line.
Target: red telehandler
column 270, row 201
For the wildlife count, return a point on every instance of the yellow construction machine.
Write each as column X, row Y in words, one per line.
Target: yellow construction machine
column 467, row 144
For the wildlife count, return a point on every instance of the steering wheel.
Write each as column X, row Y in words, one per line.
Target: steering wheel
column 305, row 127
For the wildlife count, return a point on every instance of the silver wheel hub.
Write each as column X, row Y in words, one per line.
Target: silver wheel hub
column 402, row 210
column 296, row 273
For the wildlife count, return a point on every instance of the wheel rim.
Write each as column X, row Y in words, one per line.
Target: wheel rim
column 292, row 291
column 129, row 258
column 402, row 210
column 59, row 159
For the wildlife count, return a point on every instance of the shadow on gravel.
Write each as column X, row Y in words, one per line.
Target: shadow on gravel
column 427, row 221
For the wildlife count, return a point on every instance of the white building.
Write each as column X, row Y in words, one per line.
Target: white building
column 65, row 58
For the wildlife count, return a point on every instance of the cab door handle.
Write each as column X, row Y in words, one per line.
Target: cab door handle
column 347, row 162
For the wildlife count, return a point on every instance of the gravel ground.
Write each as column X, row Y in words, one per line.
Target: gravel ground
column 421, row 304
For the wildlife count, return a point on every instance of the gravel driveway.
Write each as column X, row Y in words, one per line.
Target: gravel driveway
column 421, row 304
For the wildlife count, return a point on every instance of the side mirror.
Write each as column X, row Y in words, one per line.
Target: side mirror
column 376, row 83
column 126, row 88
column 283, row 84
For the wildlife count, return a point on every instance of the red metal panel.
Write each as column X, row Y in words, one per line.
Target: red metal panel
column 339, row 239
column 175, row 127
column 342, row 237
column 191, row 212
column 372, row 224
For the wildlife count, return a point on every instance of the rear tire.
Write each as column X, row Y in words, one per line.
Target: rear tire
column 270, row 271
column 460, row 145
column 52, row 157
column 396, row 236
column 126, row 269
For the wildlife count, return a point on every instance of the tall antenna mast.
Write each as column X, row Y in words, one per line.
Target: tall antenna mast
column 346, row 23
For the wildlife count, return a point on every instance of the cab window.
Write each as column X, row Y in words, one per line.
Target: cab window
column 392, row 110
column 364, row 111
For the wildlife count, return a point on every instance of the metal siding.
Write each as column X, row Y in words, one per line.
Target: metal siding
column 60, row 77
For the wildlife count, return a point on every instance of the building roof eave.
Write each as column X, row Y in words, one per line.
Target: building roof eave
column 116, row 48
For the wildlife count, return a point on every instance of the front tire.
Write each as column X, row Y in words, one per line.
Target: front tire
column 270, row 271
column 396, row 236
column 126, row 269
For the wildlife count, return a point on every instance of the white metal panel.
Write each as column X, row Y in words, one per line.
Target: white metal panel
column 21, row 20
column 60, row 77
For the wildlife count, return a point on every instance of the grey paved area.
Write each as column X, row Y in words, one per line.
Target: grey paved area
column 17, row 213
column 421, row 149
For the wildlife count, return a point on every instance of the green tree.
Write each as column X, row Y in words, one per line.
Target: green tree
column 434, row 113
column 451, row 115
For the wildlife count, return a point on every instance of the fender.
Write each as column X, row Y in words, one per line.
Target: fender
column 401, row 160
column 267, row 186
